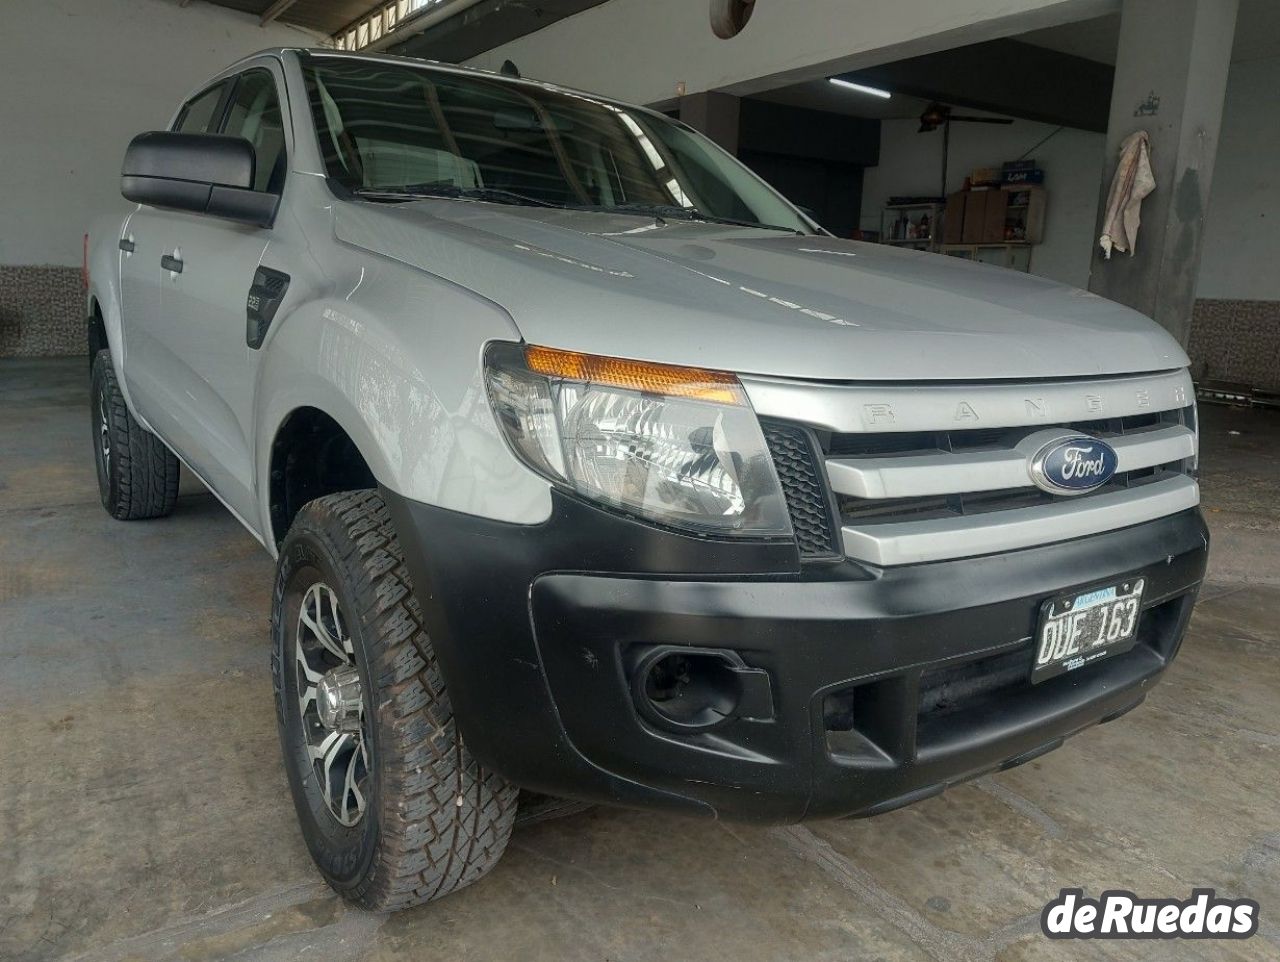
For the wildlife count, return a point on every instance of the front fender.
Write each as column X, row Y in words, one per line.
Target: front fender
column 397, row 362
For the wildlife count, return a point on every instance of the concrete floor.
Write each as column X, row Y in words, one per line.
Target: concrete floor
column 144, row 814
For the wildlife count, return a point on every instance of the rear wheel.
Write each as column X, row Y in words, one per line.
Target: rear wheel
column 137, row 474
column 393, row 807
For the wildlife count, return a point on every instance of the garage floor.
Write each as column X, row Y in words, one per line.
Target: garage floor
column 144, row 814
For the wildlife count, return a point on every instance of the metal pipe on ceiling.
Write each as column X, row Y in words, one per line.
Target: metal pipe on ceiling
column 425, row 19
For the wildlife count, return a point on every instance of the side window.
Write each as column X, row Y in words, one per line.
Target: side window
column 254, row 114
column 198, row 112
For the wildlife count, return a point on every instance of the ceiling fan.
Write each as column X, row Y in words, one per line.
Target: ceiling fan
column 939, row 115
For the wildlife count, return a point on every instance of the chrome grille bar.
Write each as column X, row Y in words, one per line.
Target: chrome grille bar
column 915, row 542
column 876, row 408
column 922, row 475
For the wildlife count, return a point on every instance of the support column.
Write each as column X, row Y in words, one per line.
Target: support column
column 1170, row 80
column 714, row 114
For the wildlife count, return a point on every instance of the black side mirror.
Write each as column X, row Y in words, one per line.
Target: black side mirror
column 199, row 173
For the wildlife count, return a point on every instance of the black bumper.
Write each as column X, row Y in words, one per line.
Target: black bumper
column 886, row 684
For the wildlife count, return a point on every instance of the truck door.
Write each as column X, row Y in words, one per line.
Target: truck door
column 146, row 358
column 204, row 303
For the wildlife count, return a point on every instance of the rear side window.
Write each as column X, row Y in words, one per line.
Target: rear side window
column 254, row 114
column 198, row 112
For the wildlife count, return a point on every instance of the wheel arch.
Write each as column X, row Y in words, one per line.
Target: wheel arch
column 312, row 454
column 399, row 367
column 95, row 330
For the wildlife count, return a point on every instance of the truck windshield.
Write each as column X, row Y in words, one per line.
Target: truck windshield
column 390, row 130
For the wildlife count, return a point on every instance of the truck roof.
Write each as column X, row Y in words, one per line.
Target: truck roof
column 421, row 62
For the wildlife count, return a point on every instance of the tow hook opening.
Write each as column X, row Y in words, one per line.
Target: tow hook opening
column 697, row 689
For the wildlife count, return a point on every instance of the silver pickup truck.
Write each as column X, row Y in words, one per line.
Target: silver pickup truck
column 595, row 470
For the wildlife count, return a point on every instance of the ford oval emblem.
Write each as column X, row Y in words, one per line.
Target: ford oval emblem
column 1073, row 465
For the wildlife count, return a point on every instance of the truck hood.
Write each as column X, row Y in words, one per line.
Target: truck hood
column 756, row 301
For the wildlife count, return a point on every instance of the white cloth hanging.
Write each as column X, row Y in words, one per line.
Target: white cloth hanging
column 1133, row 181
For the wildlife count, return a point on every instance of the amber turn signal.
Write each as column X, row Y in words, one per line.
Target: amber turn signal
column 666, row 379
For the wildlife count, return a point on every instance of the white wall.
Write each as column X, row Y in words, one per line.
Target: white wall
column 911, row 163
column 78, row 78
column 1241, row 257
column 638, row 50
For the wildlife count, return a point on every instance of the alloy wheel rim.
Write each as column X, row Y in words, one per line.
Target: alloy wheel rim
column 330, row 705
column 104, row 432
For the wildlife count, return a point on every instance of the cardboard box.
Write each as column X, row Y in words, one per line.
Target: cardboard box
column 1032, row 176
column 975, row 214
column 993, row 217
column 985, row 176
column 953, row 221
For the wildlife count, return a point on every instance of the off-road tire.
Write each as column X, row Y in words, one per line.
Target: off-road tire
column 435, row 820
column 137, row 474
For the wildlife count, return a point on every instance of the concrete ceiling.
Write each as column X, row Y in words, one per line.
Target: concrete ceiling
column 482, row 27
column 478, row 28
column 1257, row 35
column 820, row 95
column 1052, row 87
column 323, row 16
column 953, row 76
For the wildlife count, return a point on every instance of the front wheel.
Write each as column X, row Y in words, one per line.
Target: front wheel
column 393, row 807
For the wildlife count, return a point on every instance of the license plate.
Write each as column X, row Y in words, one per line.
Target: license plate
column 1079, row 629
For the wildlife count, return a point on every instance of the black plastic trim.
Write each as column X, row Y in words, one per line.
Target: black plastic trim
column 200, row 173
column 266, row 293
column 532, row 625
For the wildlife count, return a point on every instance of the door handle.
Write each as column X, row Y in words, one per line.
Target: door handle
column 171, row 263
column 127, row 245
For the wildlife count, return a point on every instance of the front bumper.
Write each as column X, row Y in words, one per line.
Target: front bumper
column 887, row 684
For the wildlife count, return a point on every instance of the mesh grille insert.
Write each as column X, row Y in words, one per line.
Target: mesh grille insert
column 794, row 460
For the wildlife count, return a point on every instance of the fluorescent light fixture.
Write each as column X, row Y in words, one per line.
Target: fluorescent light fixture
column 861, row 88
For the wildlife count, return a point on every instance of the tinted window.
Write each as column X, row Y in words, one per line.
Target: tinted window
column 384, row 126
column 196, row 114
column 254, row 114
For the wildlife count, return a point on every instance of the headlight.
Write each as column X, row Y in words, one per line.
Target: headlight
column 678, row 445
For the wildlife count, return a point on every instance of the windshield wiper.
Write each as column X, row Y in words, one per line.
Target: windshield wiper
column 416, row 191
column 663, row 211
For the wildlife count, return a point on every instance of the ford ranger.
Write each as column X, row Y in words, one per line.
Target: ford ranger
column 595, row 470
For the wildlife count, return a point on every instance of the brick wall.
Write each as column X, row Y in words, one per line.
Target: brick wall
column 41, row 312
column 1236, row 340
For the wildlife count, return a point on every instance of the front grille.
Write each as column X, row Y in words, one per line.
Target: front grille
column 889, row 497
column 851, row 448
column 874, row 722
column 803, row 488
column 944, row 690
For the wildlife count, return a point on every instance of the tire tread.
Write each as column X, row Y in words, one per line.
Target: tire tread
column 146, row 473
column 444, row 820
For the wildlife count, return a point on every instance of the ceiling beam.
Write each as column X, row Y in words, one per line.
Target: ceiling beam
column 422, row 19
column 456, row 31
column 274, row 11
